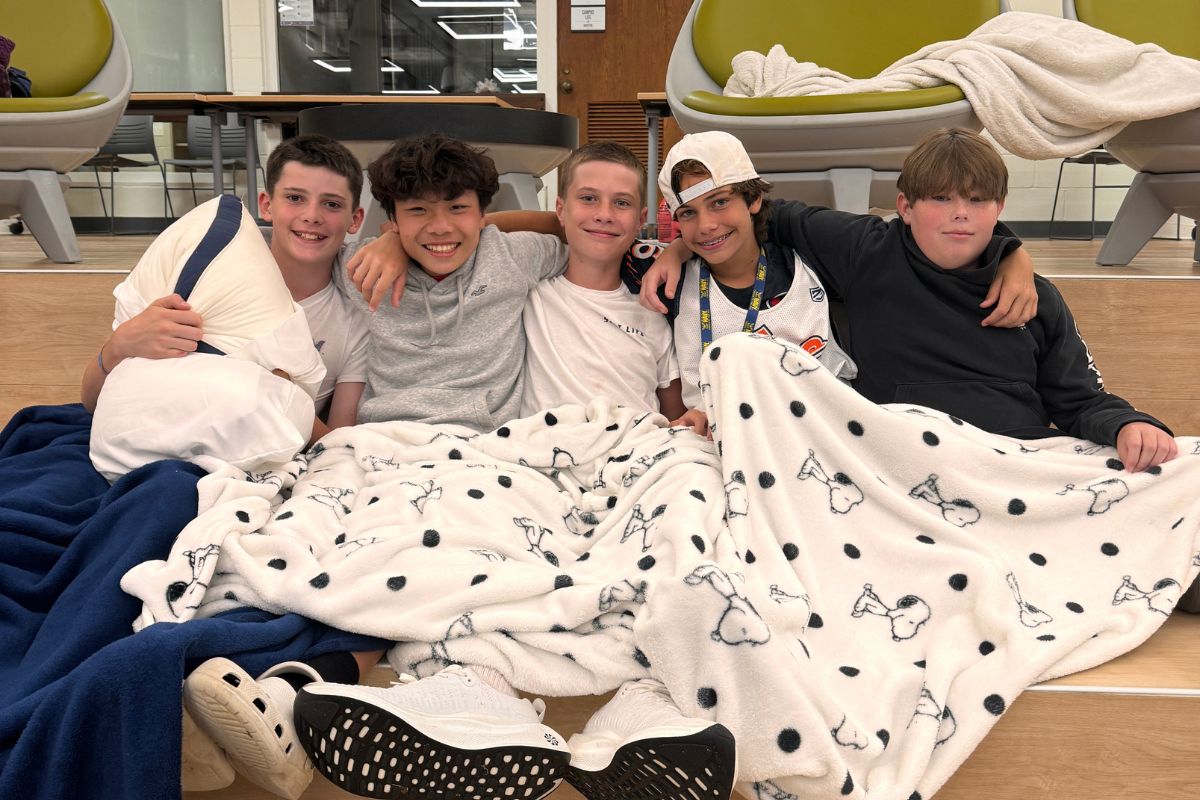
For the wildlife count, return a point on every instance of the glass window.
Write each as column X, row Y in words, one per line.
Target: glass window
column 175, row 45
column 408, row 46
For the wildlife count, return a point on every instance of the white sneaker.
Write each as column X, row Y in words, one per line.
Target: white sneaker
column 639, row 746
column 252, row 722
column 449, row 736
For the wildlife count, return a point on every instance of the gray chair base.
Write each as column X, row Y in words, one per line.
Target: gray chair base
column 38, row 196
column 1151, row 200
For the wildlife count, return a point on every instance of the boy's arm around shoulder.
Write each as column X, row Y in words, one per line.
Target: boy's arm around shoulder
column 1070, row 385
column 537, row 255
column 831, row 242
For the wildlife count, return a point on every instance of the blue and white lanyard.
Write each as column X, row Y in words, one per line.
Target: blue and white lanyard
column 760, row 286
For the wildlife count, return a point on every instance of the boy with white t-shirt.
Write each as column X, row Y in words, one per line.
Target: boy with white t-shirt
column 586, row 333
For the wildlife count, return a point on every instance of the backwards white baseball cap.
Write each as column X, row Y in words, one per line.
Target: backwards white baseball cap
column 721, row 153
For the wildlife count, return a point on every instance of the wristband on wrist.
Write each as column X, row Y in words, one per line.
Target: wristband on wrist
column 100, row 360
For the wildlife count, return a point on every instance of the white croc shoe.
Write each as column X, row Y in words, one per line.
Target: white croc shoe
column 203, row 765
column 252, row 722
column 639, row 746
column 449, row 736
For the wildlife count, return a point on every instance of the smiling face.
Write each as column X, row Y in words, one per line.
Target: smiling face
column 601, row 212
column 951, row 228
column 439, row 234
column 718, row 227
column 310, row 210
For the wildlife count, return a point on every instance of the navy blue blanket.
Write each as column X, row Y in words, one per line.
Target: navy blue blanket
column 87, row 708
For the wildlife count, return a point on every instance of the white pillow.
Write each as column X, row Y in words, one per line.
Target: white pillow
column 197, row 408
column 209, row 406
column 241, row 296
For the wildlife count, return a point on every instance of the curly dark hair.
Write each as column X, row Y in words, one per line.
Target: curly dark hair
column 315, row 150
column 433, row 165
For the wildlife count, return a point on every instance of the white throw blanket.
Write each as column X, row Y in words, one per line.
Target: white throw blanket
column 1044, row 87
column 858, row 592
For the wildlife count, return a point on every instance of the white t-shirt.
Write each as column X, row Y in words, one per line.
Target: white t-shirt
column 584, row 343
column 340, row 335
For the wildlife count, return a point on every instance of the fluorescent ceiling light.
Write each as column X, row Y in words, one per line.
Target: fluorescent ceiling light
column 343, row 65
column 517, row 75
column 321, row 63
column 463, row 30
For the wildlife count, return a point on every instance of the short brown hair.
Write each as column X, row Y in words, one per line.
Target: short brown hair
column 953, row 160
column 433, row 165
column 604, row 150
column 315, row 150
column 750, row 191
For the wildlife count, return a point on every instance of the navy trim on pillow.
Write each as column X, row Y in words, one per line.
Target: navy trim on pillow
column 220, row 233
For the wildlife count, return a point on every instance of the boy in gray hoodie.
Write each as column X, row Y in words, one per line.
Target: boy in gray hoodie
column 453, row 350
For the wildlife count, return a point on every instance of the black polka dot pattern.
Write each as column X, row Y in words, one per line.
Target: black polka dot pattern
column 1115, row 464
column 797, row 408
column 640, row 657
column 994, row 704
column 1075, row 608
column 1047, row 637
column 505, row 481
column 243, row 516
column 1038, row 558
column 746, row 410
column 478, row 579
column 1016, row 507
column 585, row 556
column 851, row 551
column 958, row 582
column 645, row 563
column 750, row 557
column 551, row 419
column 696, row 493
column 611, row 502
column 563, row 581
column 855, row 427
column 788, row 740
column 455, row 455
column 766, row 480
column 284, row 515
column 431, row 538
column 714, row 353
column 923, row 539
column 884, row 737
column 613, row 427
column 791, row 552
column 698, row 542
column 320, row 581
column 1109, row 549
column 986, row 648
column 815, row 621
column 373, row 501
column 277, row 563
column 849, row 672
column 1155, row 470
column 848, row 785
column 706, row 697
column 340, row 538
column 930, row 438
column 476, row 494
column 503, row 432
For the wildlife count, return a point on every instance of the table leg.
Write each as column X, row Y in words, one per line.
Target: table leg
column 653, row 120
column 215, row 120
column 251, row 165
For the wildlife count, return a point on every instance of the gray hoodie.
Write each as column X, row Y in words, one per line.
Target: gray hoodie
column 453, row 351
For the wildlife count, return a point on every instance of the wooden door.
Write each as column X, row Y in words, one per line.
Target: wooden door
column 601, row 73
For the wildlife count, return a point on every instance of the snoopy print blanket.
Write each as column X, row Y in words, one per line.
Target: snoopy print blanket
column 858, row 592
